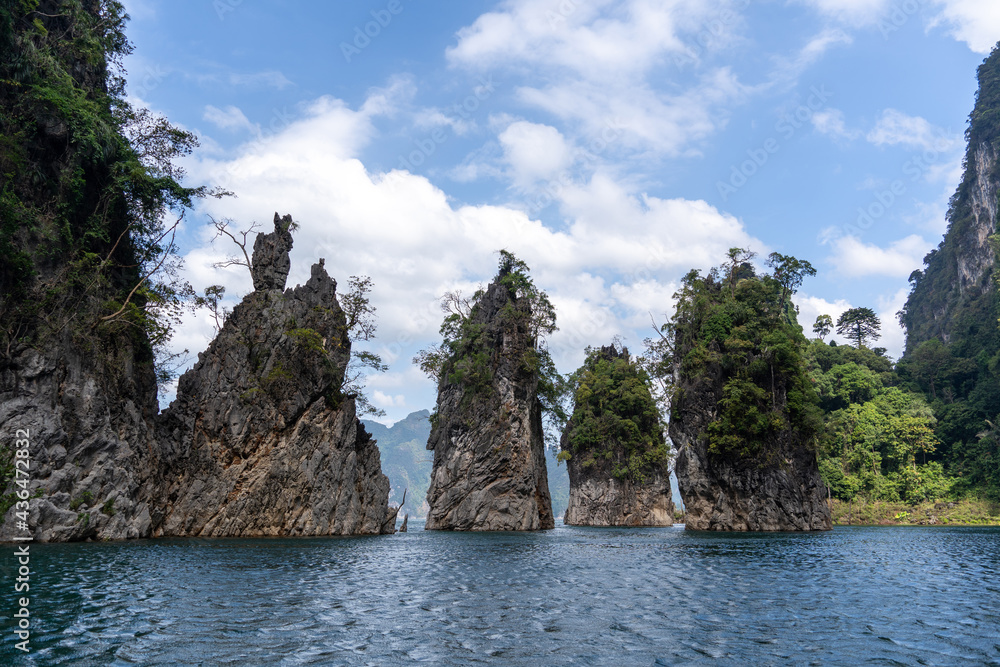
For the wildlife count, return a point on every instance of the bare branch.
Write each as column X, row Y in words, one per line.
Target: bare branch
column 222, row 229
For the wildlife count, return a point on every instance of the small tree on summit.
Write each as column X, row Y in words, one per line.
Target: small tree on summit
column 823, row 326
column 860, row 326
column 789, row 272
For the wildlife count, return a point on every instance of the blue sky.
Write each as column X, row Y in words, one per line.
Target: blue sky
column 611, row 145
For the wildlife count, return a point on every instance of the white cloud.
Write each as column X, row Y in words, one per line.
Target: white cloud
column 831, row 122
column 386, row 401
column 230, row 118
column 856, row 259
column 897, row 128
column 618, row 255
column 637, row 116
column 811, row 307
column 598, row 39
column 975, row 22
column 534, row 152
column 591, row 64
column 893, row 334
column 789, row 70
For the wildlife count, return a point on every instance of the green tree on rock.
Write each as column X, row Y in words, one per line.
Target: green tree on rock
column 463, row 355
column 615, row 420
column 860, row 326
column 823, row 326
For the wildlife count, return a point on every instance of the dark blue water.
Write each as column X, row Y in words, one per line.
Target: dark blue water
column 901, row 596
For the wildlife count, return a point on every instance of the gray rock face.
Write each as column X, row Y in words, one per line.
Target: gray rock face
column 783, row 492
column 262, row 442
column 270, row 256
column 489, row 454
column 92, row 453
column 603, row 500
column 259, row 442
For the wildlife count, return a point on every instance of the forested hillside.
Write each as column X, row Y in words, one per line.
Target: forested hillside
column 951, row 317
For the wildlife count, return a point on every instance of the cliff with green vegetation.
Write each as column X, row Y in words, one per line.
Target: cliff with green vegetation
column 614, row 447
column 744, row 417
column 90, row 200
column 494, row 378
column 951, row 316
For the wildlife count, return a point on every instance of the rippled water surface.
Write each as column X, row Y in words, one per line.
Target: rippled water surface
column 582, row 596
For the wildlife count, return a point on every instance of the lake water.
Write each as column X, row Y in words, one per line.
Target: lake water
column 580, row 596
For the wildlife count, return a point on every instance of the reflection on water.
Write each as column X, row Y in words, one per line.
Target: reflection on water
column 586, row 596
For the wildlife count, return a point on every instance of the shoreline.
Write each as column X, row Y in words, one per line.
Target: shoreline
column 965, row 512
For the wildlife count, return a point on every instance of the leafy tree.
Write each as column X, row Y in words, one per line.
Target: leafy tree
column 738, row 266
column 823, row 326
column 361, row 326
column 462, row 357
column 212, row 302
column 615, row 420
column 789, row 272
column 859, row 325
column 739, row 338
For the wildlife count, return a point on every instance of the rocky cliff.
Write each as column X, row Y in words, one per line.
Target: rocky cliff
column 743, row 414
column 489, row 459
column 952, row 338
column 75, row 371
column 956, row 281
column 259, row 442
column 260, row 439
column 613, row 445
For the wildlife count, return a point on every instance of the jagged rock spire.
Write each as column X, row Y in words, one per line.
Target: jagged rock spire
column 270, row 256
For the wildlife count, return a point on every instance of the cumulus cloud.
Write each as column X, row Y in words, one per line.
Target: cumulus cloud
column 617, row 255
column 975, row 22
column 590, row 64
column 855, row 259
column 534, row 152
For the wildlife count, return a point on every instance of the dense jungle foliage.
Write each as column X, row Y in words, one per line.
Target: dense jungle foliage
column 615, row 421
column 735, row 337
column 90, row 195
